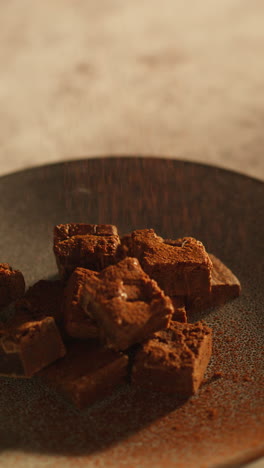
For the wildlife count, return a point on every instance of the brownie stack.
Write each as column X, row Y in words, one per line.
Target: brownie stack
column 120, row 307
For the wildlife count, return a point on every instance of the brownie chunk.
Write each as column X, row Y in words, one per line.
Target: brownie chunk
column 180, row 267
column 27, row 345
column 77, row 322
column 125, row 248
column 84, row 245
column 87, row 373
column 12, row 284
column 179, row 314
column 44, row 298
column 224, row 287
column 174, row 360
column 127, row 305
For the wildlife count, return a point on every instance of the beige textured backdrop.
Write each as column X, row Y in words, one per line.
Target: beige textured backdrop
column 96, row 77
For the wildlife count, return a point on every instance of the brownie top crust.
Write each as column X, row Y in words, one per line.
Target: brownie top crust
column 12, row 284
column 154, row 248
column 181, row 267
column 126, row 303
column 29, row 345
column 174, row 360
column 23, row 325
column 84, row 245
column 83, row 241
column 6, row 266
column 65, row 231
column 177, row 346
column 125, row 281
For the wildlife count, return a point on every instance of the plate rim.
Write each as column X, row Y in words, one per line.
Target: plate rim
column 127, row 157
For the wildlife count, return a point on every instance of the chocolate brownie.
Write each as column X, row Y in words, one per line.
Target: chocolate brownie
column 84, row 245
column 77, row 322
column 180, row 267
column 87, row 373
column 12, row 284
column 43, row 298
column 127, row 305
column 27, row 345
column 179, row 314
column 224, row 287
column 125, row 247
column 174, row 360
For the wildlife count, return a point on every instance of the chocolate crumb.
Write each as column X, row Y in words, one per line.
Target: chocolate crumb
column 217, row 375
column 212, row 413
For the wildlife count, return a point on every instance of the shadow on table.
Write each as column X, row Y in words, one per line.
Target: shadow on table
column 35, row 420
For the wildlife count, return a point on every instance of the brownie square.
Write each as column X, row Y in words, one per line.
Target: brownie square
column 174, row 360
column 224, row 287
column 125, row 248
column 127, row 305
column 179, row 314
column 84, row 245
column 44, row 298
column 27, row 345
column 12, row 284
column 87, row 373
column 77, row 322
column 181, row 267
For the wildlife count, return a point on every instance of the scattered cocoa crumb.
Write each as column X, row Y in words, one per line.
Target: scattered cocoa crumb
column 235, row 377
column 217, row 375
column 247, row 378
column 229, row 339
column 212, row 413
column 209, row 391
column 175, row 428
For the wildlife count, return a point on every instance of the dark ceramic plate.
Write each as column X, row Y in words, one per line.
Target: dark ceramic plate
column 223, row 424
